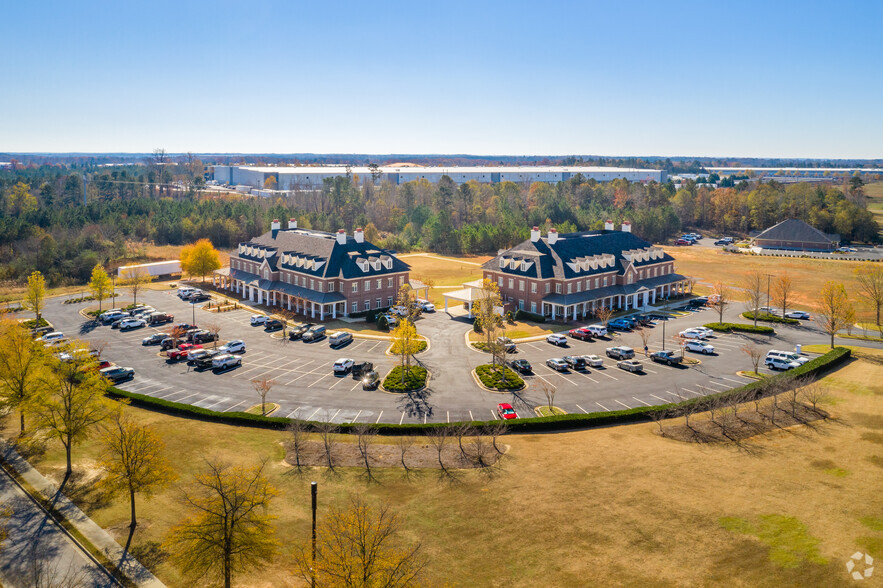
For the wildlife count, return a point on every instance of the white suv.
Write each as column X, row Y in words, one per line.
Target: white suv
column 788, row 356
column 777, row 363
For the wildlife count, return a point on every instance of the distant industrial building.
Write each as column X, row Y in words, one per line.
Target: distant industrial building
column 809, row 173
column 301, row 178
column 797, row 235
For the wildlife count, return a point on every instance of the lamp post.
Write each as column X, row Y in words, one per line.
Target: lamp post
column 313, row 491
column 663, row 334
column 193, row 307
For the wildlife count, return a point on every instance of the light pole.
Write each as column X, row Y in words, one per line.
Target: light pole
column 313, row 491
column 663, row 334
column 193, row 306
column 768, row 277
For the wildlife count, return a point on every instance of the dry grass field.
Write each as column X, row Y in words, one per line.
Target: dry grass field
column 444, row 271
column 709, row 266
column 613, row 506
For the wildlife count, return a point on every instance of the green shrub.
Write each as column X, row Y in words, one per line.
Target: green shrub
column 524, row 315
column 501, row 378
column 817, row 366
column 476, row 325
column 770, row 318
column 414, row 378
column 481, row 346
column 34, row 323
column 382, row 323
column 740, row 327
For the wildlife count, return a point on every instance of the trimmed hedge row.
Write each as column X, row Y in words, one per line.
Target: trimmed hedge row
column 414, row 378
column 505, row 380
column 743, row 328
column 525, row 315
column 817, row 366
column 770, row 318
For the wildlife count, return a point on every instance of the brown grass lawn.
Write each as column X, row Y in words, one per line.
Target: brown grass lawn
column 710, row 266
column 613, row 506
column 444, row 271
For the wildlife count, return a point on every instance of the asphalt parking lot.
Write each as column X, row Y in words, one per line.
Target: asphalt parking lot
column 307, row 388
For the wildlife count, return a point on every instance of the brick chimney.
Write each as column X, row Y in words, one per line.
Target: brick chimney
column 359, row 236
column 341, row 236
column 275, row 225
column 534, row 234
column 626, row 227
column 553, row 236
column 608, row 225
column 292, row 223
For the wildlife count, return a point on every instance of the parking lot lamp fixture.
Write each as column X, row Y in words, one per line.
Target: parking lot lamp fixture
column 313, row 491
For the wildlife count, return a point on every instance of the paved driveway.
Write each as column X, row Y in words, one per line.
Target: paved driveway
column 307, row 388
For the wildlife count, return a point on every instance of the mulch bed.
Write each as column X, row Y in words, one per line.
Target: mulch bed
column 385, row 455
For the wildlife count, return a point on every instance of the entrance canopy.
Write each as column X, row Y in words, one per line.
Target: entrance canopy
column 466, row 296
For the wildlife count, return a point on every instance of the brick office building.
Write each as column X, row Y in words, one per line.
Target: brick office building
column 570, row 275
column 313, row 272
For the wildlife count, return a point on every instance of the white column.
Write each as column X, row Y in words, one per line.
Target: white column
column 653, row 297
column 289, row 303
column 312, row 310
column 469, row 307
column 574, row 312
column 446, row 304
column 334, row 310
column 553, row 311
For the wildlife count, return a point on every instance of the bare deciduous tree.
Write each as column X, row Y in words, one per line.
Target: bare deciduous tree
column 326, row 430
column 438, row 437
column 461, row 431
column 603, row 314
column 816, row 394
column 783, row 288
column 298, row 431
column 870, row 281
column 262, row 387
column 404, row 443
column 835, row 309
column 549, row 392
column 645, row 334
column 215, row 329
column 495, row 430
column 365, row 435
column 721, row 299
column 755, row 353
column 753, row 287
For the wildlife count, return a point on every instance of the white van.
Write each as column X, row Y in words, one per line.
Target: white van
column 788, row 356
column 340, row 338
column 597, row 330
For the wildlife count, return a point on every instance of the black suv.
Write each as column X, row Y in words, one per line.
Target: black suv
column 273, row 325
column 371, row 380
column 200, row 297
column 205, row 361
column 362, row 367
column 575, row 362
column 297, row 331
column 204, row 337
column 521, row 365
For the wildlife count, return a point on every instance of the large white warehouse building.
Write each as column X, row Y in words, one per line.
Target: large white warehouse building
column 294, row 178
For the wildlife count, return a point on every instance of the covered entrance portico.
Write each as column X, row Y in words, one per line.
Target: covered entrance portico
column 626, row 297
column 309, row 303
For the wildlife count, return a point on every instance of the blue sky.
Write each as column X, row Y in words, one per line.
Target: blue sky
column 765, row 79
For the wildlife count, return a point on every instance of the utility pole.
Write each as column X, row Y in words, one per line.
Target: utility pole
column 768, row 277
column 663, row 334
column 313, row 491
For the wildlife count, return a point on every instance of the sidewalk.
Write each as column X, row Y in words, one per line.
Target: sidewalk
column 47, row 490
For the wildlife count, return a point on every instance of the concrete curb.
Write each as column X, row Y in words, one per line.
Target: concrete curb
column 496, row 390
column 100, row 538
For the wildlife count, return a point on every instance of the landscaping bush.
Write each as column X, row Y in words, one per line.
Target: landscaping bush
column 33, row 323
column 421, row 346
column 501, row 379
column 481, row 346
column 414, row 378
column 382, row 323
column 741, row 327
column 816, row 367
column 525, row 315
column 476, row 325
column 770, row 318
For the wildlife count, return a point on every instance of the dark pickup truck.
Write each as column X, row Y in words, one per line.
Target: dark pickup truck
column 205, row 361
column 666, row 357
column 361, row 367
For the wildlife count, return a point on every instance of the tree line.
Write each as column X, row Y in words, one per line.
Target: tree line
column 45, row 226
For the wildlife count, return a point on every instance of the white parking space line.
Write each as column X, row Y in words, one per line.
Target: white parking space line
column 582, row 409
column 209, row 407
column 603, row 407
column 229, row 408
column 493, row 416
column 559, row 374
column 339, row 380
column 641, row 401
column 251, row 369
column 532, row 346
column 314, row 414
column 356, row 385
column 356, row 417
column 317, row 381
column 289, row 414
column 158, row 390
column 335, row 416
column 536, row 375
column 736, row 381
column 380, row 415
column 471, row 418
column 583, row 375
column 658, row 398
column 651, row 371
column 166, row 396
column 424, row 418
column 692, row 392
column 604, row 373
column 622, row 403
column 718, row 384
column 375, row 345
column 711, row 390
column 186, row 397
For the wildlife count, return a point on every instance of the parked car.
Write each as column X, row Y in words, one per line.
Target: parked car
column 642, row 319
column 132, row 323
column 315, row 333
column 575, row 362
column 191, row 333
column 693, row 334
column 708, row 332
column 111, row 317
column 257, row 319
column 195, row 354
column 184, row 327
column 339, row 339
column 658, row 316
column 273, row 325
column 597, row 330
column 699, row 301
column 521, row 365
column 361, row 367
column 699, row 347
column 185, row 292
column 343, row 365
column 797, row 314
column 181, row 351
column 667, row 357
column 117, row 373
column 235, row 346
column 620, row 325
column 620, row 352
column 78, row 354
column 204, row 337
column 167, row 344
column 593, row 361
column 582, row 333
column 391, row 319
column 297, row 331
column 559, row 340
column 507, row 343
column 370, row 380
column 155, row 339
column 789, row 355
column 683, row 242
column 778, row 363
column 159, row 318
column 630, row 365
column 506, row 412
column 53, row 336
column 426, row 305
column 557, row 364
column 225, row 361
column 205, row 361
column 198, row 297
column 399, row 310
column 38, row 332
column 103, row 363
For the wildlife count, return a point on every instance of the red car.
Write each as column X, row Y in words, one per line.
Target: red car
column 683, row 242
column 181, row 351
column 581, row 333
column 506, row 412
